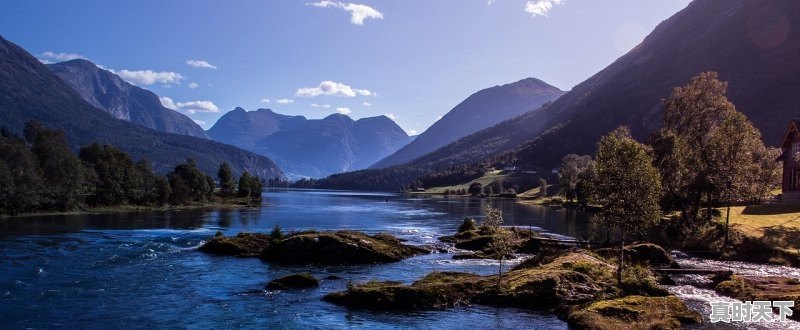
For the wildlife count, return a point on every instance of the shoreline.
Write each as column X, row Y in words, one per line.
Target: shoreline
column 134, row 209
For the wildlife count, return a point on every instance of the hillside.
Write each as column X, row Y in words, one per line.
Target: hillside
column 752, row 44
column 28, row 90
column 480, row 110
column 107, row 91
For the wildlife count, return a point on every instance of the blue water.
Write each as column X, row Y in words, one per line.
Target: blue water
column 143, row 271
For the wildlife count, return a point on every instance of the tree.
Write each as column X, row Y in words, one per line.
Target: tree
column 736, row 160
column 277, row 232
column 189, row 184
column 475, row 189
column 21, row 186
column 61, row 171
column 542, row 188
column 256, row 188
column 244, row 184
column 502, row 241
column 627, row 187
column 488, row 190
column 573, row 172
column 227, row 185
column 683, row 147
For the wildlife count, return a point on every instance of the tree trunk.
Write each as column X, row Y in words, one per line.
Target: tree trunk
column 621, row 262
column 708, row 207
column 500, row 273
column 727, row 225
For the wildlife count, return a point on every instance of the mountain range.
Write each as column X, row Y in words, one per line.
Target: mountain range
column 107, row 91
column 29, row 90
column 311, row 147
column 752, row 44
column 480, row 110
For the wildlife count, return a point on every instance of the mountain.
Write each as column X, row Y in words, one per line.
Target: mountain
column 311, row 147
column 29, row 90
column 109, row 92
column 752, row 44
column 481, row 110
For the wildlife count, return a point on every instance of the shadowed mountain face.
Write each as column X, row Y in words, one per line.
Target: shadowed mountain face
column 752, row 44
column 311, row 148
column 28, row 90
column 481, row 110
column 109, row 92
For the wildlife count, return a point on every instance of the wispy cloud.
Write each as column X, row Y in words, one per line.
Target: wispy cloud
column 284, row 101
column 541, row 7
column 266, row 101
column 314, row 105
column 199, row 122
column 412, row 132
column 344, row 111
column 193, row 85
column 332, row 88
column 50, row 57
column 191, row 107
column 149, row 77
column 391, row 116
column 201, row 64
column 358, row 12
column 366, row 104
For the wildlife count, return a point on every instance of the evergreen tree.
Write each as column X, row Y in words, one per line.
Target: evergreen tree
column 61, row 170
column 245, row 182
column 227, row 184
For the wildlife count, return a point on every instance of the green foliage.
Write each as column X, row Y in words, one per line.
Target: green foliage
column 189, row 184
column 467, row 225
column 574, row 174
column 277, row 233
column 475, row 189
column 707, row 151
column 245, row 182
column 61, row 172
column 502, row 243
column 227, row 185
column 627, row 187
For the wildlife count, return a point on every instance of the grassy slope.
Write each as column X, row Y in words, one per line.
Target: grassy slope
column 754, row 220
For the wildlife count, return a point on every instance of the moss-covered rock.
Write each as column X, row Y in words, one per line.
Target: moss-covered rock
column 337, row 248
column 294, row 281
column 634, row 312
column 241, row 245
column 438, row 290
column 771, row 288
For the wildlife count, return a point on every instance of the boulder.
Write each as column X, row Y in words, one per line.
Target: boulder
column 634, row 312
column 293, row 282
column 241, row 245
column 339, row 248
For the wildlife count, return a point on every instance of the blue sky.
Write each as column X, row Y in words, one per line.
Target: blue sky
column 413, row 59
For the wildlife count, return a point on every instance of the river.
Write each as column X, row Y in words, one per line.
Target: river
column 143, row 271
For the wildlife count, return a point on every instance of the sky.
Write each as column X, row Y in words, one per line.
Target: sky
column 412, row 60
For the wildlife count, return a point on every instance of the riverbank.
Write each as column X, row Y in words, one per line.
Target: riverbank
column 229, row 204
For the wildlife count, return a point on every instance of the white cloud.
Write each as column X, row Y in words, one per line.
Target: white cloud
column 344, row 110
column 193, row 85
column 266, row 101
column 541, row 7
column 149, row 77
column 332, row 88
column 412, row 132
column 284, row 101
column 439, row 118
column 199, row 122
column 201, row 64
column 49, row 57
column 358, row 12
column 191, row 107
column 367, row 104
column 391, row 116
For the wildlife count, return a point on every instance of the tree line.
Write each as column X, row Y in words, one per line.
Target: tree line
column 40, row 172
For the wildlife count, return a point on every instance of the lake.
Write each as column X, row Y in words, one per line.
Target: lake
column 142, row 270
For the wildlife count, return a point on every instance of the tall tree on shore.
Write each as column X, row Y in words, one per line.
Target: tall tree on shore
column 501, row 244
column 245, row 182
column 61, row 171
column 227, row 185
column 627, row 188
column 736, row 157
